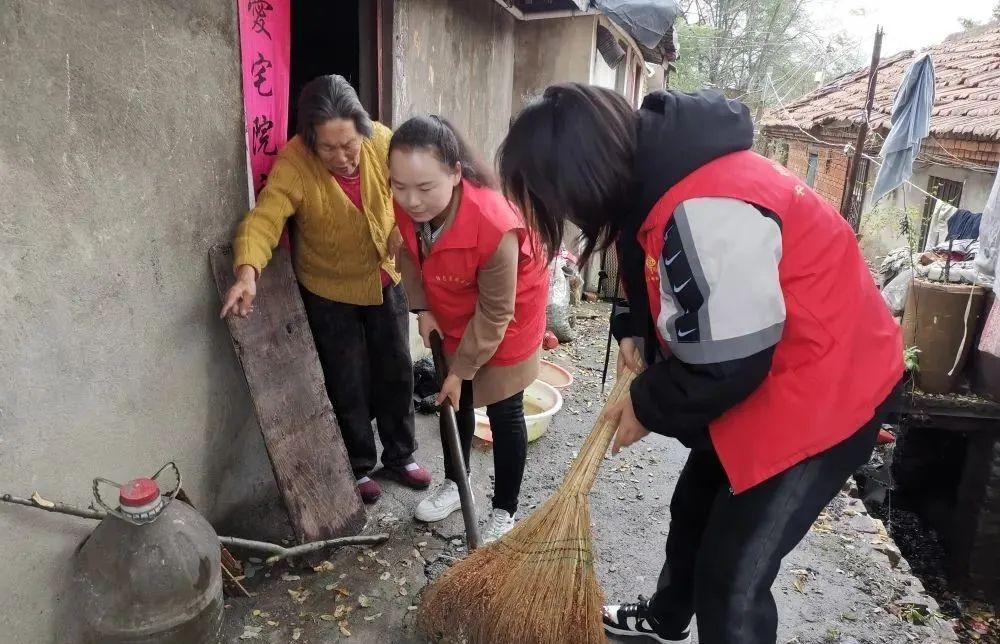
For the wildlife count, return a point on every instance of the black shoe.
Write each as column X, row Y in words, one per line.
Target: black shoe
column 633, row 620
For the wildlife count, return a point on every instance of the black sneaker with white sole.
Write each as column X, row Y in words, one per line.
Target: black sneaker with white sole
column 633, row 620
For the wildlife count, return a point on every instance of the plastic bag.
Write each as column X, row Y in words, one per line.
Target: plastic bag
column 895, row 292
column 557, row 312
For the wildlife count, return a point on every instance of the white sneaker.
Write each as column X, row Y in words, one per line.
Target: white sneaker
column 499, row 524
column 441, row 503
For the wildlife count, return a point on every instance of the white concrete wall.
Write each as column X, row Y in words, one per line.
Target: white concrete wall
column 122, row 160
column 975, row 192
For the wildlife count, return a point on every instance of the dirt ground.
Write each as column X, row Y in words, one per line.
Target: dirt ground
column 844, row 583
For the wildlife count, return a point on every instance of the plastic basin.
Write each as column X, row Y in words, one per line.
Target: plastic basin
column 552, row 374
column 541, row 402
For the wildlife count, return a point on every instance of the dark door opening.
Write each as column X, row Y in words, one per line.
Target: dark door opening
column 326, row 39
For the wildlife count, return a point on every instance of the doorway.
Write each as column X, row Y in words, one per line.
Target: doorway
column 326, row 39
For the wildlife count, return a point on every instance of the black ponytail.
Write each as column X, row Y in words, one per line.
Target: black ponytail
column 437, row 135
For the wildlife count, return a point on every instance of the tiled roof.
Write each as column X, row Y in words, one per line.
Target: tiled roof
column 966, row 102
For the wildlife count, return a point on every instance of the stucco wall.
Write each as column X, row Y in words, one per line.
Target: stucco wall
column 551, row 51
column 454, row 58
column 121, row 162
column 976, row 187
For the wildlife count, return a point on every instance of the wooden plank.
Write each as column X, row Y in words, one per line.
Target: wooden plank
column 275, row 347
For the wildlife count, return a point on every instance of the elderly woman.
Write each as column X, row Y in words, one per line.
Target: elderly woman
column 333, row 180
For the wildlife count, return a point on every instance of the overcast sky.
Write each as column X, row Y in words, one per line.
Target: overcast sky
column 908, row 24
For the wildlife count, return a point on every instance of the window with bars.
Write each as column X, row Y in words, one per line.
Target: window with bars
column 811, row 170
column 946, row 190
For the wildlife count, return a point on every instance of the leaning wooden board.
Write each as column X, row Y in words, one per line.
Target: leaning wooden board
column 275, row 346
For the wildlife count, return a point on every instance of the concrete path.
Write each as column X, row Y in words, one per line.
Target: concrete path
column 845, row 582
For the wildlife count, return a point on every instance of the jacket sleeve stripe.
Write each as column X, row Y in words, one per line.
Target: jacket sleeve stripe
column 721, row 295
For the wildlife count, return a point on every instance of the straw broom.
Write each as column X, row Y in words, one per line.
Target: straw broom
column 537, row 584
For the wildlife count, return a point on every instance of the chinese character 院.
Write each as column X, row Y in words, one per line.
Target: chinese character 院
column 261, row 135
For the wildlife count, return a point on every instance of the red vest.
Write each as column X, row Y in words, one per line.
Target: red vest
column 450, row 271
column 840, row 354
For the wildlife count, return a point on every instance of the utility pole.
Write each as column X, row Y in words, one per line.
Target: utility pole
column 847, row 199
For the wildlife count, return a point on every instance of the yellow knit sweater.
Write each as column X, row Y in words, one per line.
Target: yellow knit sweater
column 337, row 250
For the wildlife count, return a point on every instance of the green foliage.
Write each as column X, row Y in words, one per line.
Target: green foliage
column 905, row 223
column 744, row 48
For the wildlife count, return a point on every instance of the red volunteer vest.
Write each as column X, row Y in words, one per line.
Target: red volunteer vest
column 840, row 354
column 450, row 271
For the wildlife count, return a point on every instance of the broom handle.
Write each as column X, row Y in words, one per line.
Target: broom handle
column 583, row 472
column 449, row 425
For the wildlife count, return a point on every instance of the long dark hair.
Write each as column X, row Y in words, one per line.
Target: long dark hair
column 325, row 98
column 437, row 135
column 568, row 156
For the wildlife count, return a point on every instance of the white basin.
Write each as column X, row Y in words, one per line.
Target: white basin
column 541, row 402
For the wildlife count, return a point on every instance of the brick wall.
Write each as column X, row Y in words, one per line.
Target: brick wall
column 831, row 166
column 985, row 153
column 798, row 158
column 831, row 175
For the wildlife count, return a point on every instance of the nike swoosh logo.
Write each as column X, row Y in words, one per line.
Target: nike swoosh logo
column 681, row 334
column 670, row 261
column 678, row 289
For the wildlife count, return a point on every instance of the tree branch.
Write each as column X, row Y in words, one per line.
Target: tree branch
column 277, row 552
column 280, row 552
column 39, row 503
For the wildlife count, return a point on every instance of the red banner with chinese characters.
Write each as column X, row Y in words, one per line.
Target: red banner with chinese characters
column 265, row 45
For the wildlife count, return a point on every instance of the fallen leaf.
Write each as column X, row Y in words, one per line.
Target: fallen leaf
column 422, row 544
column 343, row 629
column 411, row 608
column 325, row 566
column 799, row 586
column 330, row 587
column 287, row 577
column 382, row 562
column 326, row 617
column 41, row 502
column 370, row 618
column 296, row 634
column 402, row 591
column 256, row 613
column 386, row 576
column 272, row 623
column 364, row 601
column 300, row 595
column 251, row 632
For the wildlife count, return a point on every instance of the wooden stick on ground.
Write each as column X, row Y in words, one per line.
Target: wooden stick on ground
column 37, row 502
column 278, row 552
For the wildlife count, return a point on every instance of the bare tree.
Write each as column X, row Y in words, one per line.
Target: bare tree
column 753, row 49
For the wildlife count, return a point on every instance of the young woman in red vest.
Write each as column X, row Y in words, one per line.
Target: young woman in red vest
column 770, row 352
column 471, row 272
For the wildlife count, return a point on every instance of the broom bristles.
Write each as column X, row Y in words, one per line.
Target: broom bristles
column 537, row 584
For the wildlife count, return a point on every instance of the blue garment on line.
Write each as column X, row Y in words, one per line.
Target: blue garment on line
column 911, row 122
column 964, row 224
